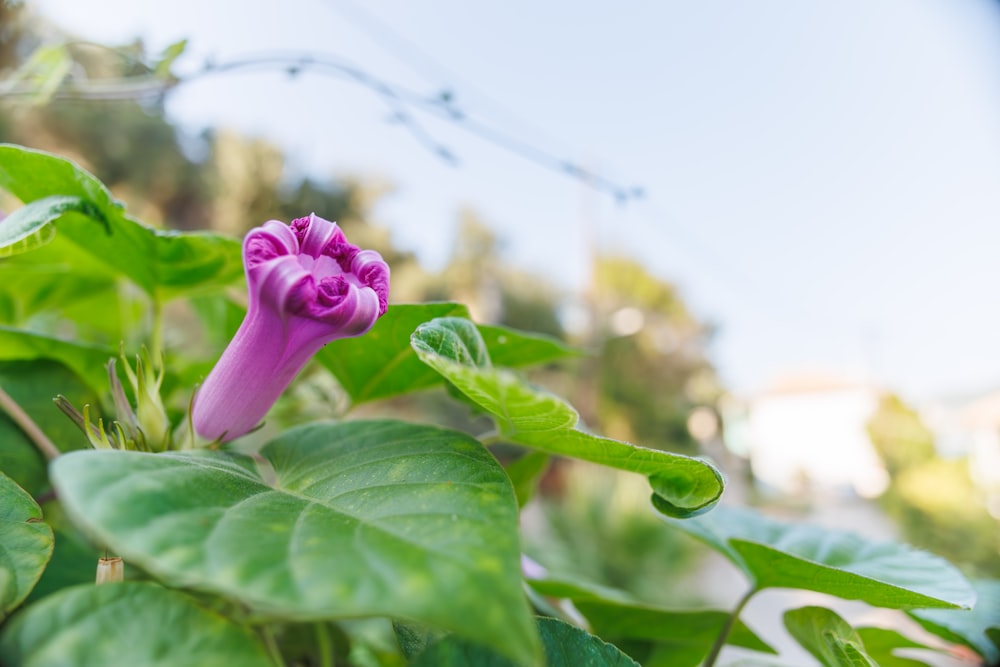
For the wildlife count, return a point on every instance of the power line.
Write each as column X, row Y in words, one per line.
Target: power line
column 400, row 100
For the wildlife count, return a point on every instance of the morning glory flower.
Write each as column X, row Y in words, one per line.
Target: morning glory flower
column 307, row 286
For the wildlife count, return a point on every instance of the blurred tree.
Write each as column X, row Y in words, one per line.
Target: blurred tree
column 495, row 292
column 899, row 436
column 934, row 501
column 653, row 363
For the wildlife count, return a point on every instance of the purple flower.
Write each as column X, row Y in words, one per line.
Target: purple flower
column 308, row 286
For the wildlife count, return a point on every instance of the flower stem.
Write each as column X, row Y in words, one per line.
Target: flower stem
column 28, row 425
column 720, row 641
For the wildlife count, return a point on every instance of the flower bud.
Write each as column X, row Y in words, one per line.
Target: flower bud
column 307, row 286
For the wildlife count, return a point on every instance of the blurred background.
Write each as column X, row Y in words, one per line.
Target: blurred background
column 773, row 224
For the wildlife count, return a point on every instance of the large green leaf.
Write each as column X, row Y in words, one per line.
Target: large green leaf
column 972, row 628
column 828, row 637
column 782, row 555
column 684, row 636
column 32, row 385
column 565, row 646
column 25, row 544
column 366, row 518
column 534, row 418
column 162, row 262
column 126, row 625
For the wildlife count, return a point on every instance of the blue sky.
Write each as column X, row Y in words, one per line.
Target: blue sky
column 822, row 176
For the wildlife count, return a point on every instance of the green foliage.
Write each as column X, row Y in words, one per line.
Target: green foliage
column 536, row 419
column 32, row 385
column 677, row 637
column 127, row 624
column 565, row 646
column 270, row 554
column 25, row 544
column 421, row 522
column 978, row 629
column 828, row 637
column 900, row 438
column 779, row 555
column 953, row 520
column 166, row 264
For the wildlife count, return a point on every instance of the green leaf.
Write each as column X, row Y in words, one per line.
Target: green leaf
column 413, row 638
column 65, row 283
column 971, row 628
column 453, row 347
column 32, row 385
column 162, row 67
column 534, row 418
column 166, row 263
column 780, row 555
column 525, row 473
column 686, row 636
column 882, row 643
column 30, row 226
column 73, row 562
column 126, row 624
column 365, row 518
column 565, row 646
column 381, row 363
column 828, row 637
column 25, row 544
column 87, row 361
column 682, row 486
column 516, row 349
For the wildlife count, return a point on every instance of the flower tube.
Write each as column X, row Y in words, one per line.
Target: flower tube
column 307, row 286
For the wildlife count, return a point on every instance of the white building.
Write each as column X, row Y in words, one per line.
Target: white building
column 809, row 431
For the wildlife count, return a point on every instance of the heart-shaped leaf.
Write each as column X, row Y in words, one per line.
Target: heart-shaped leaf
column 565, row 646
column 781, row 555
column 25, row 544
column 828, row 637
column 365, row 518
column 972, row 628
column 130, row 623
column 528, row 416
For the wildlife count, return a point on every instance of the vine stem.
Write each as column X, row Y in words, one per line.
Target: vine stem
column 28, row 425
column 325, row 646
column 156, row 342
column 272, row 646
column 720, row 641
